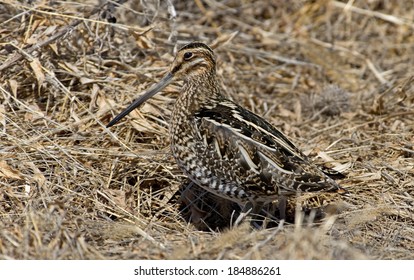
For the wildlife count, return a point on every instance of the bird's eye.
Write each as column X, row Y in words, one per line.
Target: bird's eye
column 188, row 55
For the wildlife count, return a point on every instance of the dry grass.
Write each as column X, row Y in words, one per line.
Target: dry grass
column 72, row 189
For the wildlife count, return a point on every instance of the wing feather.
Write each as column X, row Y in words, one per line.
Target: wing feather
column 263, row 151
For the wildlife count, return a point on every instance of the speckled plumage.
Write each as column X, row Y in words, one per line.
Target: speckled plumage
column 225, row 148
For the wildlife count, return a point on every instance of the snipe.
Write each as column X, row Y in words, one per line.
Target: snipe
column 227, row 149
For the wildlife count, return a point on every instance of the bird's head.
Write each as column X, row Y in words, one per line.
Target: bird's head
column 192, row 61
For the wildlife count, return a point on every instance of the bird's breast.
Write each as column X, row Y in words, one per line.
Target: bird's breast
column 183, row 136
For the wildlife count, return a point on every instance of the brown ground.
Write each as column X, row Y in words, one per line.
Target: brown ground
column 337, row 79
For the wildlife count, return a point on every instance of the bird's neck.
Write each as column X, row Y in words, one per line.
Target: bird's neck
column 198, row 92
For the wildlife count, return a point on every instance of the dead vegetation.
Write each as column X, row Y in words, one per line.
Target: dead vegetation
column 335, row 76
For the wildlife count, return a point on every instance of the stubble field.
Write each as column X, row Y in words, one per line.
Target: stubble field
column 336, row 77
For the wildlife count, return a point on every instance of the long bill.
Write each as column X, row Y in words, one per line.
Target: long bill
column 144, row 97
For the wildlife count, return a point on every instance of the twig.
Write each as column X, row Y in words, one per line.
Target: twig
column 376, row 73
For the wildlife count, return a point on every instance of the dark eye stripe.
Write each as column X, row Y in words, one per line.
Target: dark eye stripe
column 176, row 68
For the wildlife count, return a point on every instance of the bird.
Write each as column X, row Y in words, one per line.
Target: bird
column 226, row 149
